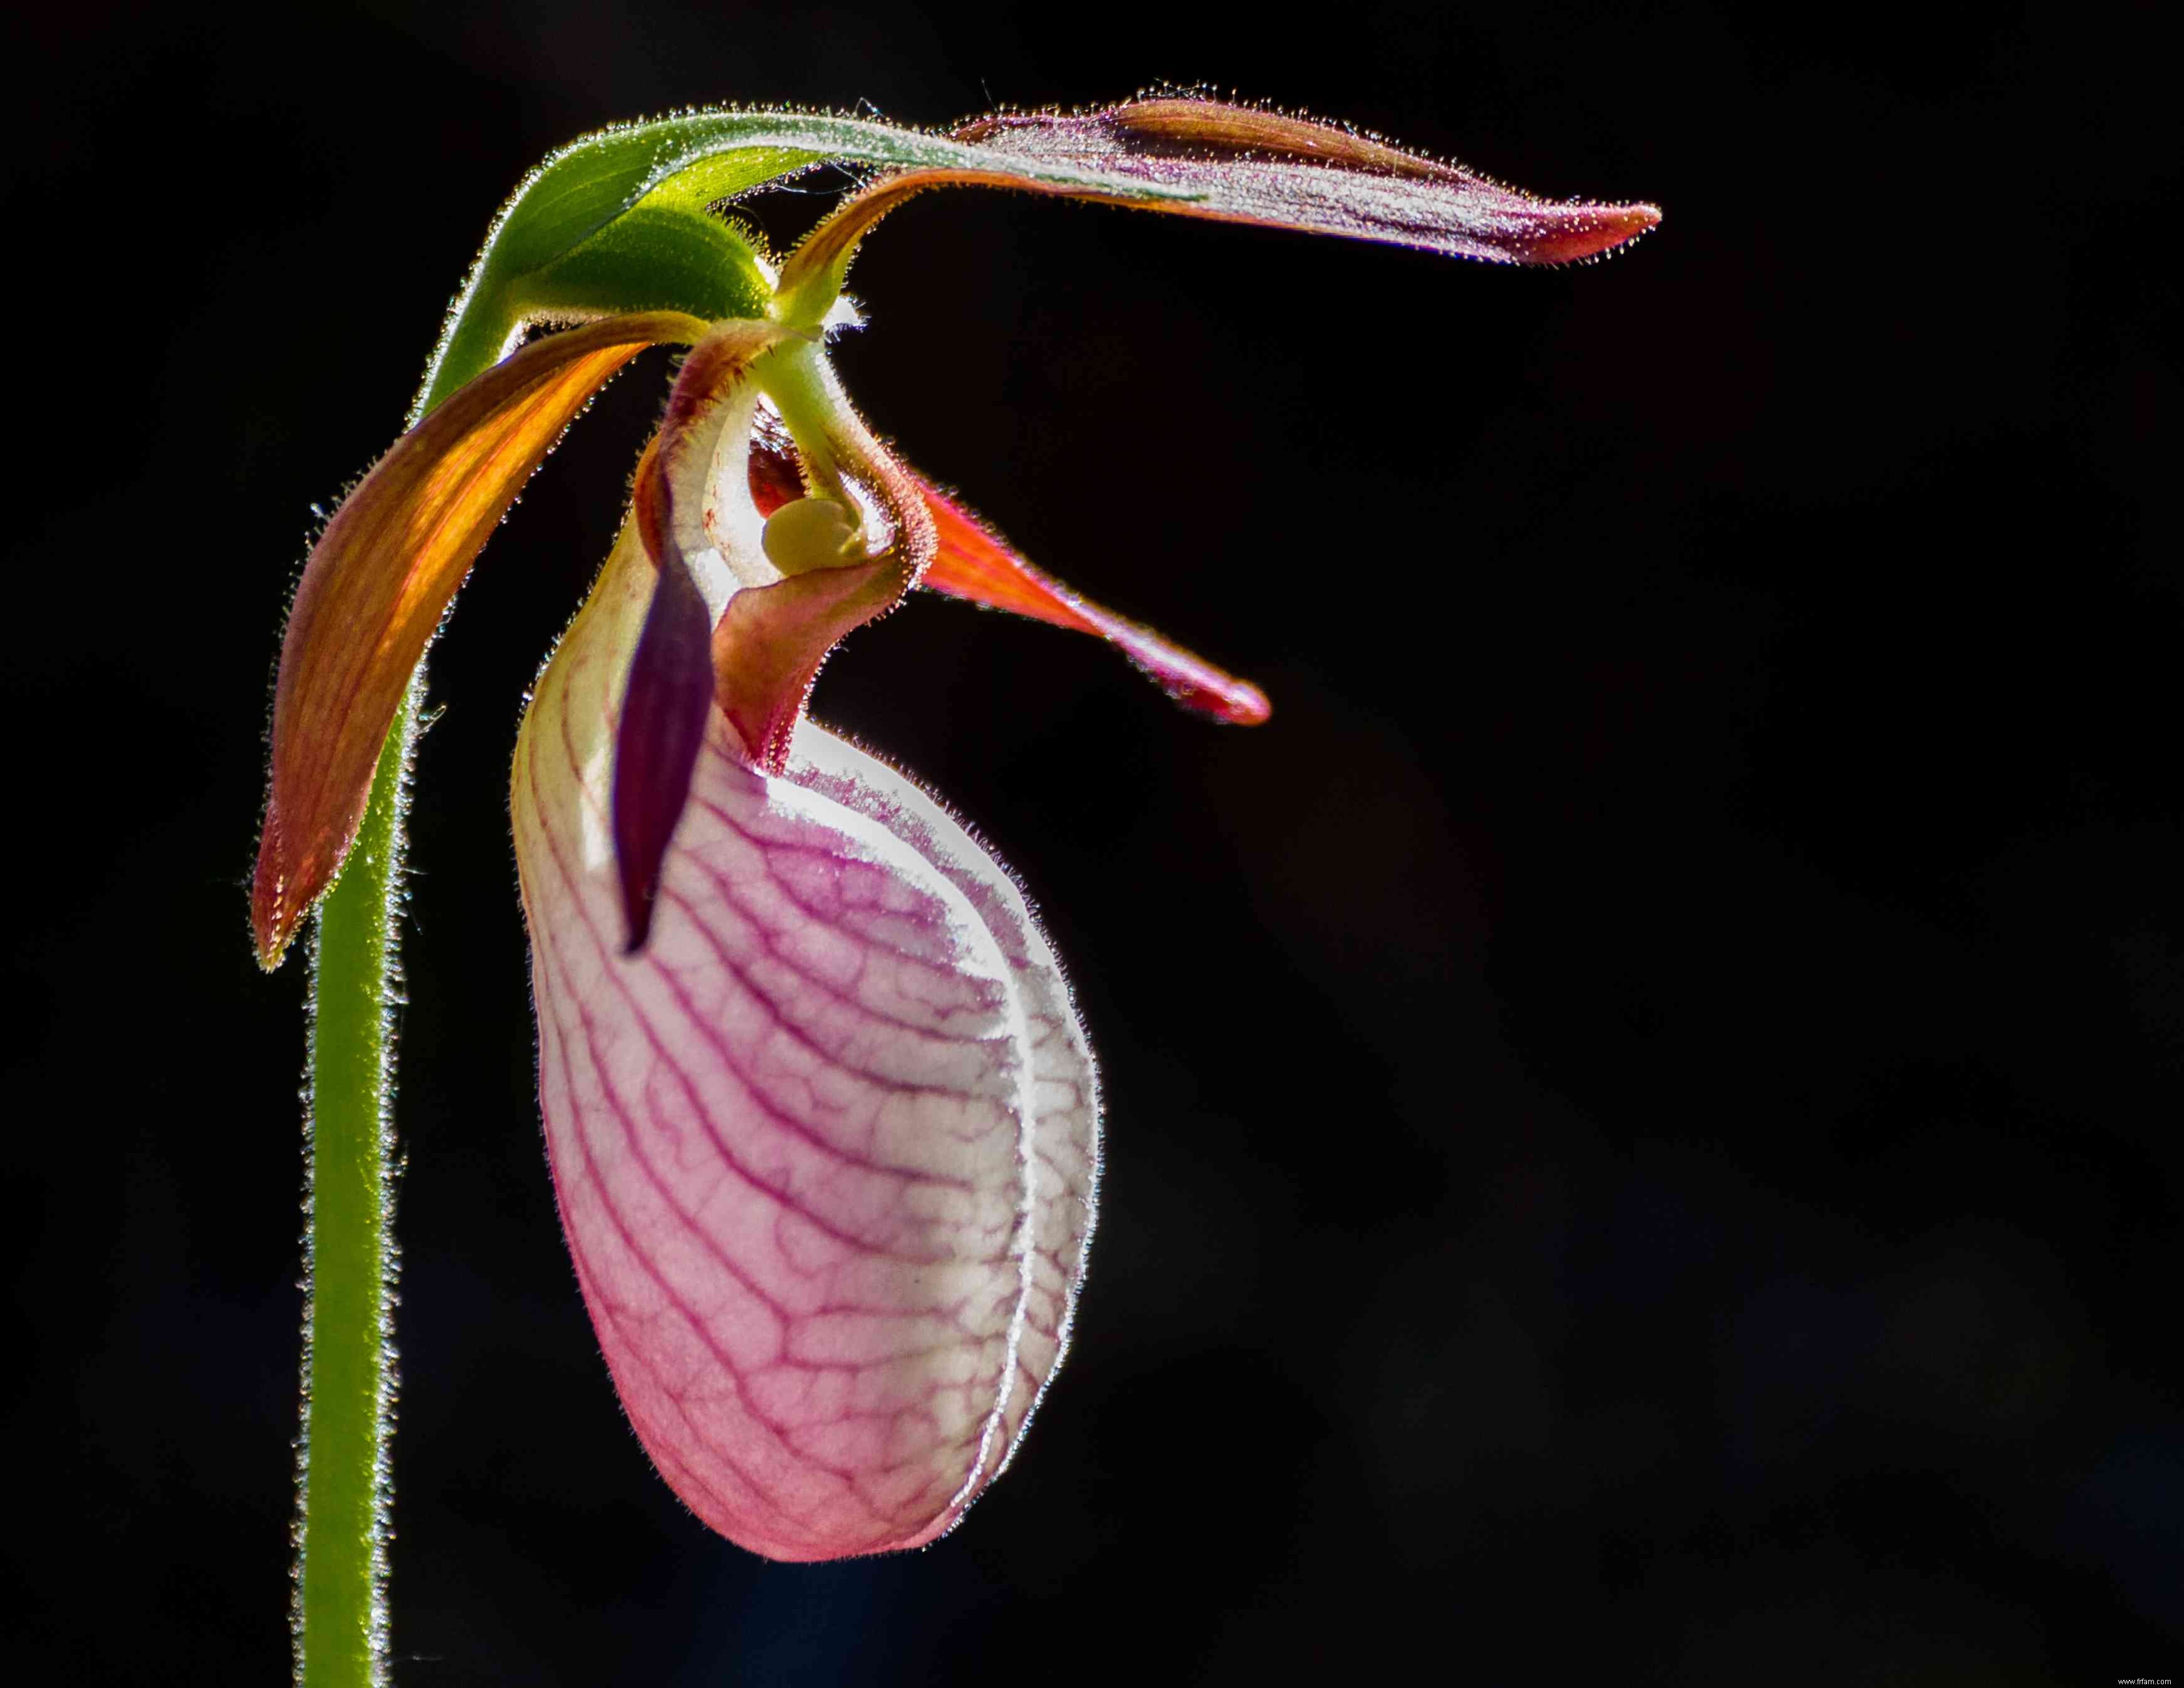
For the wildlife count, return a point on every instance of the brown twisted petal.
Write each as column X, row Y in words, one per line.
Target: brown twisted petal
column 378, row 580
column 973, row 562
column 772, row 640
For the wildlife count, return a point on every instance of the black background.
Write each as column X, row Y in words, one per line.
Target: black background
column 1643, row 1104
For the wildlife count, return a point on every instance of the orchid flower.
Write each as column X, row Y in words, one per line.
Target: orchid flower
column 823, row 1123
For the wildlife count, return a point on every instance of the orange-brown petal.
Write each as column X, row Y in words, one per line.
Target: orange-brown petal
column 378, row 580
column 971, row 562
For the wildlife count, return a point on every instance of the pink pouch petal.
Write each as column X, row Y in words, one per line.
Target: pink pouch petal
column 826, row 1149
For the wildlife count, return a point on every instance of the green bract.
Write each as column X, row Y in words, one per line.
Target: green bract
column 621, row 220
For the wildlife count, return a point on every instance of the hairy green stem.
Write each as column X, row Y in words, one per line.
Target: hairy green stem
column 344, row 1489
column 342, row 1473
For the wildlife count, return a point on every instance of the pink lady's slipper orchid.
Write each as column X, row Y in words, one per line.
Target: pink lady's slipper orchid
column 824, row 1126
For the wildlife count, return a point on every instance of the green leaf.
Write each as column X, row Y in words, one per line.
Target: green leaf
column 661, row 256
column 617, row 221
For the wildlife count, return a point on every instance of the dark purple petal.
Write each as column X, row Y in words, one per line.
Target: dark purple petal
column 663, row 723
column 671, row 676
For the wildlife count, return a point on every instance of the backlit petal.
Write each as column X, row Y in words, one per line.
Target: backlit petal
column 971, row 561
column 381, row 577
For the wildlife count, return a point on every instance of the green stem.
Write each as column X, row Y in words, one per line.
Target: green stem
column 342, row 1473
column 344, row 1492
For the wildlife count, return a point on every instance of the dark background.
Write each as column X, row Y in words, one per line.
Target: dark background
column 1643, row 1106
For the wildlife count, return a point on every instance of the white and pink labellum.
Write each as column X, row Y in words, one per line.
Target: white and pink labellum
column 826, row 1148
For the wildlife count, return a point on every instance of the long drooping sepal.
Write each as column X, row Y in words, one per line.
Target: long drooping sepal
column 381, row 577
column 826, row 1150
column 973, row 562
column 1246, row 165
column 1198, row 158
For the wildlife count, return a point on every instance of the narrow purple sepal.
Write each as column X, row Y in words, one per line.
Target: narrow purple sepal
column 663, row 723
